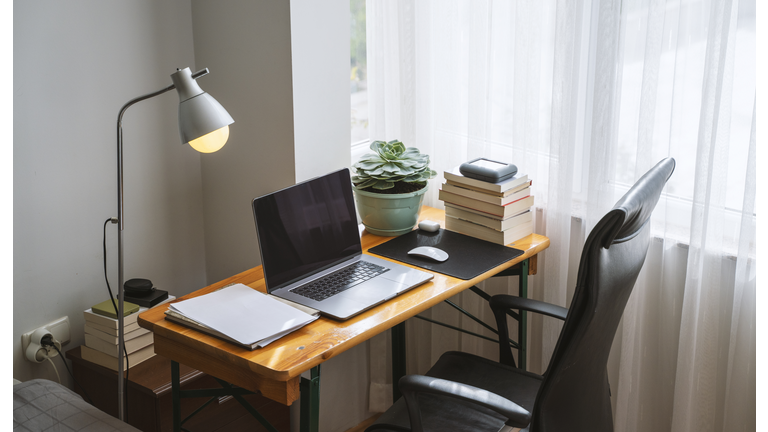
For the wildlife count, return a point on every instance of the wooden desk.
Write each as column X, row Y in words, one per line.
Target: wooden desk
column 275, row 371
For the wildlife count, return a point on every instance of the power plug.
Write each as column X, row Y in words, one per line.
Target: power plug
column 57, row 330
column 40, row 347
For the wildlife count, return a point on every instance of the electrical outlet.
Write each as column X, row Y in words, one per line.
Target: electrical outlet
column 59, row 329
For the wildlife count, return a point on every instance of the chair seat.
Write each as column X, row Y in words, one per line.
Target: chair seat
column 440, row 413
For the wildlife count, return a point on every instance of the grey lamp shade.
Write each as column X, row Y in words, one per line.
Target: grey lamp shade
column 200, row 116
column 199, row 113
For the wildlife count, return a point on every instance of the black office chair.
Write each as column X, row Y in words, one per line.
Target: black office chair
column 464, row 392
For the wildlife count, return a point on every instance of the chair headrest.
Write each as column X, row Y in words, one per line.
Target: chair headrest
column 634, row 209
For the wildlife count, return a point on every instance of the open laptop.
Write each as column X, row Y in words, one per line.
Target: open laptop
column 311, row 252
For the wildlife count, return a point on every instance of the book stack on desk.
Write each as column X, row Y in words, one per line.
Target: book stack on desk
column 101, row 335
column 496, row 212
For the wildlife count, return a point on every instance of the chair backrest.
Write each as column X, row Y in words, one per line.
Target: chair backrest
column 574, row 395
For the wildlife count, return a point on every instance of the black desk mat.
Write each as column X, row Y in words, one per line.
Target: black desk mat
column 468, row 257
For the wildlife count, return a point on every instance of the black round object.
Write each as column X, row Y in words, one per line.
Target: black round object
column 138, row 287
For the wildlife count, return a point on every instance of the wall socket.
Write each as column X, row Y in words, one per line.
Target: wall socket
column 59, row 329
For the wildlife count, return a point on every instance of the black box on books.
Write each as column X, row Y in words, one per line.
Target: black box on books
column 150, row 300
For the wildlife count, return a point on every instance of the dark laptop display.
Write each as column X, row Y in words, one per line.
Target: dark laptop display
column 306, row 228
column 311, row 252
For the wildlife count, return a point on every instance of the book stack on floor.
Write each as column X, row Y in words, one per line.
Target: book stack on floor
column 101, row 335
column 496, row 212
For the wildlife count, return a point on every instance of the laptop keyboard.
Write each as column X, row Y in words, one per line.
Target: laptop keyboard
column 339, row 281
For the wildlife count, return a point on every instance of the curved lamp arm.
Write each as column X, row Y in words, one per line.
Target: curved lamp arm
column 120, row 222
column 195, row 75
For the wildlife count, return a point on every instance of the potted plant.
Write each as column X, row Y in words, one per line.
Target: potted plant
column 389, row 187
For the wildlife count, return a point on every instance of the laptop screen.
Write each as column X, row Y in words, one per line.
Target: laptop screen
column 306, row 228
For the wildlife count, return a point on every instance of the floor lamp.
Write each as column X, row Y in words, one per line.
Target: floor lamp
column 204, row 124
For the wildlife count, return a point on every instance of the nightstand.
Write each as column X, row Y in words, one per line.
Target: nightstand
column 149, row 398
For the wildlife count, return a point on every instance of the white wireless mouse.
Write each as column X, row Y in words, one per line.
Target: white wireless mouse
column 429, row 252
column 429, row 226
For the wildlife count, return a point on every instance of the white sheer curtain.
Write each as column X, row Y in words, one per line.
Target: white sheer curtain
column 585, row 97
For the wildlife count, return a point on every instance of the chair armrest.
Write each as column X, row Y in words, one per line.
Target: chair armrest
column 502, row 302
column 411, row 385
column 499, row 305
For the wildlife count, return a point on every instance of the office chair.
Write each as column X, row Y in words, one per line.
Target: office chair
column 464, row 392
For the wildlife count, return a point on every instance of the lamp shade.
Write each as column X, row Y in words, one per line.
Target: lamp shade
column 203, row 122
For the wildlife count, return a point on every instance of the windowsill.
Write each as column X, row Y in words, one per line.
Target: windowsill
column 360, row 148
column 361, row 144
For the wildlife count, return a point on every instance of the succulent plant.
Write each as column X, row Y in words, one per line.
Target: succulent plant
column 391, row 163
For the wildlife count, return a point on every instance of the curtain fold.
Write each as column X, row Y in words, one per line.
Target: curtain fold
column 741, row 369
column 585, row 97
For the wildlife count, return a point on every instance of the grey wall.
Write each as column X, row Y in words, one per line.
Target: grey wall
column 280, row 68
column 248, row 44
column 75, row 64
column 321, row 116
column 286, row 83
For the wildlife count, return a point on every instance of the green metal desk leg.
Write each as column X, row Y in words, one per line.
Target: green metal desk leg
column 398, row 358
column 175, row 396
column 310, row 401
column 522, row 328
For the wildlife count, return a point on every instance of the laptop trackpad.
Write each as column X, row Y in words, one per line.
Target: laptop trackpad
column 360, row 298
column 374, row 290
column 405, row 277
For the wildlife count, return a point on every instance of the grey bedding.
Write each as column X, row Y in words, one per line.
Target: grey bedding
column 43, row 405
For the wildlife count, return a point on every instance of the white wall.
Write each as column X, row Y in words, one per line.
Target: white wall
column 321, row 103
column 75, row 64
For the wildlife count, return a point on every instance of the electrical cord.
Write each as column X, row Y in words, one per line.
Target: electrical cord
column 48, row 341
column 112, row 297
column 54, row 368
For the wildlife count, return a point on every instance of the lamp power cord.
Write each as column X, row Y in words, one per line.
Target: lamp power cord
column 112, row 297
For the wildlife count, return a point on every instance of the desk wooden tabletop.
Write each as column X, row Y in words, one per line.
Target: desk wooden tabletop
column 275, row 370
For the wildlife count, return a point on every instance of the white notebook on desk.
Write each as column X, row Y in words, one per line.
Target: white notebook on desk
column 243, row 315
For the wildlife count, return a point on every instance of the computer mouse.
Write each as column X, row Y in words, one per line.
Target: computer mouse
column 429, row 226
column 429, row 252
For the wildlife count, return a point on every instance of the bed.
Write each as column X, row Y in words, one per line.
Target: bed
column 43, row 405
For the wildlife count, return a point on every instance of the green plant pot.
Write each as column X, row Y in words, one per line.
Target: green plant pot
column 389, row 214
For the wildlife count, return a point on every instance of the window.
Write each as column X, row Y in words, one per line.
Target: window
column 358, row 82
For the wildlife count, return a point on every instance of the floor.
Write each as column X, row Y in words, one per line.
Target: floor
column 361, row 427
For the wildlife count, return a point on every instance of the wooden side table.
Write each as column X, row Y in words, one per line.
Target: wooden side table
column 149, row 398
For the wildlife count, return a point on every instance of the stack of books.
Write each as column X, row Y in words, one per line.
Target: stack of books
column 496, row 212
column 101, row 336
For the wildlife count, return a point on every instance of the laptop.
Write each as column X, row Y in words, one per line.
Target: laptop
column 311, row 252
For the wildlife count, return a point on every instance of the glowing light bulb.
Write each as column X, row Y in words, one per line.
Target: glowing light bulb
column 211, row 142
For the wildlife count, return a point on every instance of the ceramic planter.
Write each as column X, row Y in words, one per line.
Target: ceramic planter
column 389, row 214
